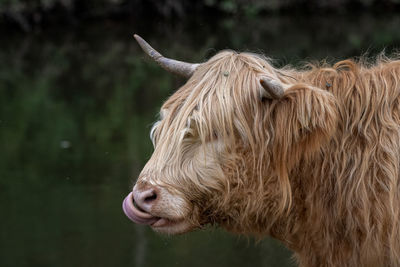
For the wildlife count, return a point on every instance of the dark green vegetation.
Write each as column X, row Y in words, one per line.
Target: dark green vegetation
column 76, row 106
column 29, row 14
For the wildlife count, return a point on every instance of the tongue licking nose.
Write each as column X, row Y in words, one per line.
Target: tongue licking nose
column 139, row 213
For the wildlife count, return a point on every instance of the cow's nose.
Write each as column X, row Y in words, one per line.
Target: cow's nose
column 145, row 199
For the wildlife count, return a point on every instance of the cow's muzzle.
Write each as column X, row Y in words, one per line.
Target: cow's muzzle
column 137, row 214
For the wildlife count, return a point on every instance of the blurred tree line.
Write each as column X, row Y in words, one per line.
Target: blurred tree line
column 26, row 13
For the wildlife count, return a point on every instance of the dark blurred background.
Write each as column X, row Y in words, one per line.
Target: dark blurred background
column 78, row 97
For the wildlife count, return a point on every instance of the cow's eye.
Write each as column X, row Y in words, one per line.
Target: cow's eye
column 215, row 135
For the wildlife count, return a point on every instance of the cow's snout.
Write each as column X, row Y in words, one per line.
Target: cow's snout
column 154, row 205
column 145, row 198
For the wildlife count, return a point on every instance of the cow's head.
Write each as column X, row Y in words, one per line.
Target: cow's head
column 226, row 144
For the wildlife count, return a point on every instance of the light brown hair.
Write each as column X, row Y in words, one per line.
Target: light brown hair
column 317, row 169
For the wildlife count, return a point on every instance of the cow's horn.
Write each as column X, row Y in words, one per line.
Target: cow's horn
column 272, row 88
column 178, row 67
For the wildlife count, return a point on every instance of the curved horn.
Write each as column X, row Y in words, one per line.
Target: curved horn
column 272, row 88
column 178, row 67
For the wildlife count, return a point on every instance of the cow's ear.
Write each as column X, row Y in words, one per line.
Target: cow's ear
column 305, row 118
column 271, row 88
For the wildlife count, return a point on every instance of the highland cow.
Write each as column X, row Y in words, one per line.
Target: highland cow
column 308, row 156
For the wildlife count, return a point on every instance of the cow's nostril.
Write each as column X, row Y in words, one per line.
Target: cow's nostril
column 151, row 197
column 145, row 199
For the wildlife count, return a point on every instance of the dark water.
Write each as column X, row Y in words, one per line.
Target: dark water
column 76, row 106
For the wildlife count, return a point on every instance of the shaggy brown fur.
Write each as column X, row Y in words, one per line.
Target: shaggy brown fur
column 317, row 169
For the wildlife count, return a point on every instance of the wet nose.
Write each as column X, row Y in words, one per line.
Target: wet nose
column 145, row 198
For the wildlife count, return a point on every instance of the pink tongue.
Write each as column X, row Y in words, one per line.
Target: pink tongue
column 136, row 215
